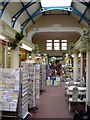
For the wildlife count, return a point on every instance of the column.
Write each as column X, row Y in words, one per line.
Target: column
column 88, row 74
column 33, row 55
column 46, row 60
column 1, row 55
column 75, row 66
column 6, row 57
column 27, row 56
column 14, row 58
column 81, row 67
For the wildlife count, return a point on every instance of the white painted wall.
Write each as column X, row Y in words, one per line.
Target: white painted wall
column 7, row 18
column 17, row 26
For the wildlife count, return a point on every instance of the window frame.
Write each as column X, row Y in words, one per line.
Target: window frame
column 47, row 46
column 63, row 47
column 55, row 46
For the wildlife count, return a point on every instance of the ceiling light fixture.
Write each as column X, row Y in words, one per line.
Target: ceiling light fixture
column 26, row 47
column 2, row 37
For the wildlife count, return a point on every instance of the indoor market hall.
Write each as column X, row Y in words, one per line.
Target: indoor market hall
column 44, row 59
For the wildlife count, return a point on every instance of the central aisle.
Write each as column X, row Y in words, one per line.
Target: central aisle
column 52, row 104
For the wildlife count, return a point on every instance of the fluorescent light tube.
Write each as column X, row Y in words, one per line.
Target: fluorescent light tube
column 26, row 47
column 2, row 37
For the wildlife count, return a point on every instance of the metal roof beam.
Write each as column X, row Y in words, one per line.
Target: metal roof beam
column 15, row 17
column 87, row 4
column 72, row 10
column 68, row 9
column 83, row 15
column 41, row 7
column 4, row 4
column 75, row 11
column 27, row 12
column 32, row 16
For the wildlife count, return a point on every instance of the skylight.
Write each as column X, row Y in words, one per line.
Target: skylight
column 56, row 3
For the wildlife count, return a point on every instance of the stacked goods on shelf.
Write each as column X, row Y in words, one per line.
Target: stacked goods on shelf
column 10, row 92
column 40, row 75
column 24, row 91
column 31, row 90
column 37, row 79
column 34, row 84
column 44, row 73
column 13, row 89
column 69, row 70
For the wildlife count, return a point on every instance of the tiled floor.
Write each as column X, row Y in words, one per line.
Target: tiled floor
column 52, row 104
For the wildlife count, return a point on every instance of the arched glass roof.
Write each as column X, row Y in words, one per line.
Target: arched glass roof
column 26, row 10
column 56, row 3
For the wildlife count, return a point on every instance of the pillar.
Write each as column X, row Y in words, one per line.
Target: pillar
column 46, row 59
column 1, row 55
column 27, row 56
column 6, row 57
column 88, row 74
column 14, row 58
column 75, row 66
column 33, row 55
column 81, row 67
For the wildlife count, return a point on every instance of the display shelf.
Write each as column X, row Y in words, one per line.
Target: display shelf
column 43, row 73
column 69, row 71
column 24, row 91
column 33, row 83
column 14, row 89
column 37, row 79
column 31, row 90
column 11, row 92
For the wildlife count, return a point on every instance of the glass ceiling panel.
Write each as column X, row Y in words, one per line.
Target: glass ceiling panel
column 56, row 3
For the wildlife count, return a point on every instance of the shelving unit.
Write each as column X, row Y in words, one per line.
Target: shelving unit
column 37, row 79
column 34, row 85
column 24, row 92
column 10, row 92
column 69, row 70
column 31, row 90
column 44, row 73
column 42, row 76
column 13, row 93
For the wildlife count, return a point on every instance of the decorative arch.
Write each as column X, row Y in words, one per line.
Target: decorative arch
column 54, row 29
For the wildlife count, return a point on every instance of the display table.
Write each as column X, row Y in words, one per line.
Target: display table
column 75, row 83
column 54, row 81
column 79, row 88
column 48, row 82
